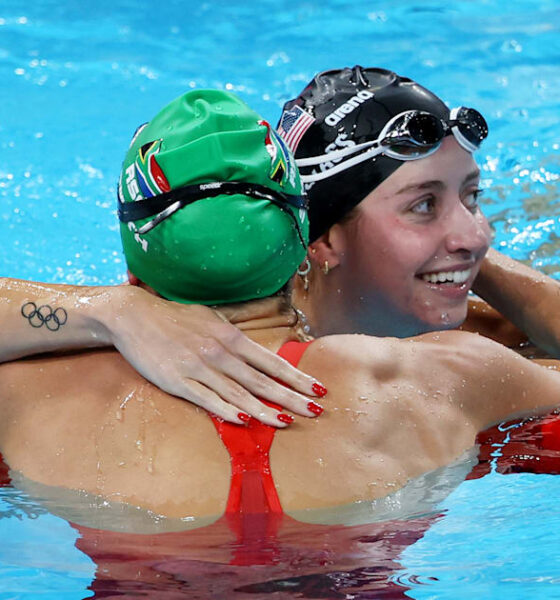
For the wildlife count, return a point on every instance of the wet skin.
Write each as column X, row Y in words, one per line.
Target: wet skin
column 404, row 263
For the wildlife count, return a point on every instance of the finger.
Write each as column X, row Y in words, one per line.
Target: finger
column 205, row 398
column 235, row 396
column 274, row 366
column 251, row 381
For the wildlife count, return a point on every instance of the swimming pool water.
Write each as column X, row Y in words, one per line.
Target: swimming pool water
column 76, row 81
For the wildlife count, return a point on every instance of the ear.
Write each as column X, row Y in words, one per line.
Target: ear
column 327, row 248
column 132, row 279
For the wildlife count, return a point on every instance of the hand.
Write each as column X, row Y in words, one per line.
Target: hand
column 190, row 351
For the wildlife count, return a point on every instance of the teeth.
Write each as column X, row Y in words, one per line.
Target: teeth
column 447, row 276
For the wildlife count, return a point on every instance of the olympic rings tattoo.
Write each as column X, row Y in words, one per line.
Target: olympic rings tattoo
column 44, row 315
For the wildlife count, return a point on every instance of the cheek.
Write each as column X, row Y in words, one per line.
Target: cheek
column 486, row 230
column 386, row 255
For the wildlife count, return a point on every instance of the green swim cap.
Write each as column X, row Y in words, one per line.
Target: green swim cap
column 211, row 203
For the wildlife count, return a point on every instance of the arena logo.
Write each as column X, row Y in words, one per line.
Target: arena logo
column 345, row 109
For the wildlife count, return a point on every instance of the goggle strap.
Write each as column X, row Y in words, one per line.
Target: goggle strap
column 160, row 217
column 286, row 210
column 342, row 166
column 334, row 155
column 160, row 207
column 148, row 207
column 377, row 148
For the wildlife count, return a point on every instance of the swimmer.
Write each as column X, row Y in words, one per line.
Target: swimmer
column 223, row 183
column 214, row 365
column 397, row 235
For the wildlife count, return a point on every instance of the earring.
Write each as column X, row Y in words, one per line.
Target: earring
column 326, row 267
column 304, row 272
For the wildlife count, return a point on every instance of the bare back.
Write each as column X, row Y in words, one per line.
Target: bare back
column 395, row 409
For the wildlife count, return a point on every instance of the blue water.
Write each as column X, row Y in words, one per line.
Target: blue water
column 77, row 78
column 498, row 539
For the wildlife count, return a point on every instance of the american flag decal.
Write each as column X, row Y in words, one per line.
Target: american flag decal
column 293, row 124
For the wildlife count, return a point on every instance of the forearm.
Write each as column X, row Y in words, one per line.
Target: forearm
column 529, row 299
column 38, row 317
column 186, row 350
column 487, row 321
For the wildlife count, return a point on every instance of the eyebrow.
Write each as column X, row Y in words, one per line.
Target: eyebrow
column 436, row 183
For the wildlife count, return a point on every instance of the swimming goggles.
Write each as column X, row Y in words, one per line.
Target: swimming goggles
column 162, row 206
column 410, row 135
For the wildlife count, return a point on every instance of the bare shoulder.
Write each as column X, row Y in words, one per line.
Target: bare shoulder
column 469, row 354
column 509, row 384
column 361, row 357
column 458, row 354
column 484, row 380
column 364, row 349
column 353, row 348
column 90, row 369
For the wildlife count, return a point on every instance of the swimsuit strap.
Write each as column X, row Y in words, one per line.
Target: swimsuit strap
column 293, row 351
column 252, row 489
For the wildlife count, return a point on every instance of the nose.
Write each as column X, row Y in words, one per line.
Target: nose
column 467, row 231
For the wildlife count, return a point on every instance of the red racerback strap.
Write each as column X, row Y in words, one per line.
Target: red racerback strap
column 252, row 489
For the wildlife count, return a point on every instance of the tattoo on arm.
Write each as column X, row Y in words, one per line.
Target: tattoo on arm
column 44, row 315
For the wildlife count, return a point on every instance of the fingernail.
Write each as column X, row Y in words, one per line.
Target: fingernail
column 244, row 417
column 315, row 408
column 319, row 390
column 284, row 418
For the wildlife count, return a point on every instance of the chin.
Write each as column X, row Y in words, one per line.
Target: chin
column 451, row 319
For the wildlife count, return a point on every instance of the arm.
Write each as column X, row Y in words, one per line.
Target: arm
column 529, row 299
column 492, row 383
column 487, row 321
column 186, row 350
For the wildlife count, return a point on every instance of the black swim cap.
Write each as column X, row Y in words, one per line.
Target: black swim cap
column 341, row 108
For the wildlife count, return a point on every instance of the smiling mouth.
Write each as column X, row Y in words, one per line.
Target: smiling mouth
column 455, row 277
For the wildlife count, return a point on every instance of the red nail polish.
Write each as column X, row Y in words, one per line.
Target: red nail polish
column 315, row 408
column 244, row 417
column 319, row 390
column 284, row 418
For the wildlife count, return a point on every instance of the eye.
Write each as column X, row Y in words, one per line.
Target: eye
column 471, row 199
column 425, row 206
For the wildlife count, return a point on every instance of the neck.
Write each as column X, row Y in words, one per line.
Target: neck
column 323, row 305
column 270, row 321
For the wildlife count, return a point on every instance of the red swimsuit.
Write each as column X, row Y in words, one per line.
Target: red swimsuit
column 252, row 489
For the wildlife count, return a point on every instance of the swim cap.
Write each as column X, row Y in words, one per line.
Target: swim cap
column 343, row 108
column 224, row 247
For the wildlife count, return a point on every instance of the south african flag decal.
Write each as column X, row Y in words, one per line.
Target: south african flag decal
column 151, row 179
